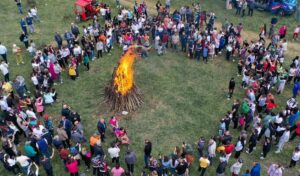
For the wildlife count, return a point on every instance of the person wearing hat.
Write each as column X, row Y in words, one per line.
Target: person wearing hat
column 236, row 167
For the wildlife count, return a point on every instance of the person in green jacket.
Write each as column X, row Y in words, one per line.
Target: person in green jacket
column 86, row 60
column 245, row 108
column 30, row 152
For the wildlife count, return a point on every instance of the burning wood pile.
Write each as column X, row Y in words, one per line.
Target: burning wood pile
column 122, row 94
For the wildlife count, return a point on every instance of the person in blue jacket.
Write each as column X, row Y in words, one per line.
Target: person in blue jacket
column 294, row 115
column 255, row 171
column 205, row 54
column 296, row 89
column 23, row 25
column 183, row 41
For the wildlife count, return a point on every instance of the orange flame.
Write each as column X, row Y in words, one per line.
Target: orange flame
column 123, row 80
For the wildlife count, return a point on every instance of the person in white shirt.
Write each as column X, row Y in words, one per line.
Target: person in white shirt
column 30, row 113
column 275, row 170
column 114, row 151
column 35, row 81
column 11, row 161
column 34, row 14
column 3, row 52
column 24, row 162
column 283, row 139
column 295, row 157
column 296, row 32
column 3, row 104
column 4, row 70
column 99, row 48
column 58, row 70
column 236, row 167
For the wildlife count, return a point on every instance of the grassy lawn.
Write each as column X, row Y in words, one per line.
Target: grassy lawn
column 184, row 99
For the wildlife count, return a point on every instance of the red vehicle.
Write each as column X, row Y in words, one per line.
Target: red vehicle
column 85, row 9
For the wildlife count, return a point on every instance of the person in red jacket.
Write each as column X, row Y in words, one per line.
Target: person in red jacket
column 270, row 105
column 296, row 132
column 229, row 147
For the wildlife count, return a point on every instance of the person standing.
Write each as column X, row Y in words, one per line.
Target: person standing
column 200, row 146
column 114, row 153
column 147, row 152
column 203, row 164
column 62, row 134
column 130, row 159
column 251, row 6
column 221, row 167
column 101, row 126
column 181, row 168
column 99, row 48
column 205, row 54
column 117, row 170
column 58, row 39
column 244, row 7
column 3, row 52
column 283, row 139
column 24, row 38
column 255, row 170
column 19, row 5
column 17, row 52
column 231, row 88
column 4, row 70
column 72, row 166
column 295, row 157
column 236, row 167
column 24, row 162
column 23, row 25
column 29, row 21
column 46, row 163
column 266, row 148
column 275, row 170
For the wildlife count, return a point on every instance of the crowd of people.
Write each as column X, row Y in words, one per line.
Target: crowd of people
column 189, row 30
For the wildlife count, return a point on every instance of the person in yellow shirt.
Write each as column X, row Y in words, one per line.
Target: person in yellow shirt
column 7, row 87
column 203, row 164
column 17, row 52
column 72, row 72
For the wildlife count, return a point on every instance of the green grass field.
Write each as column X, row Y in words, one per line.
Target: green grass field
column 184, row 99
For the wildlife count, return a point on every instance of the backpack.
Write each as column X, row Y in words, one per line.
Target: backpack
column 102, row 166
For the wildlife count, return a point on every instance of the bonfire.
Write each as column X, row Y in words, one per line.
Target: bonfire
column 122, row 94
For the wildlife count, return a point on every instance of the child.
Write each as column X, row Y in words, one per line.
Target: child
column 242, row 122
column 296, row 32
column 86, row 157
column 160, row 49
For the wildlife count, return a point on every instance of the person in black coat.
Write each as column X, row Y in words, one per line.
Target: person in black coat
column 266, row 148
column 231, row 88
column 252, row 141
column 65, row 111
column 101, row 126
column 147, row 152
column 221, row 167
column 58, row 39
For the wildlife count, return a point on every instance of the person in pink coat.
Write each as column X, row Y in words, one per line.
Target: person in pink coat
column 51, row 70
column 72, row 166
column 39, row 106
column 282, row 31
